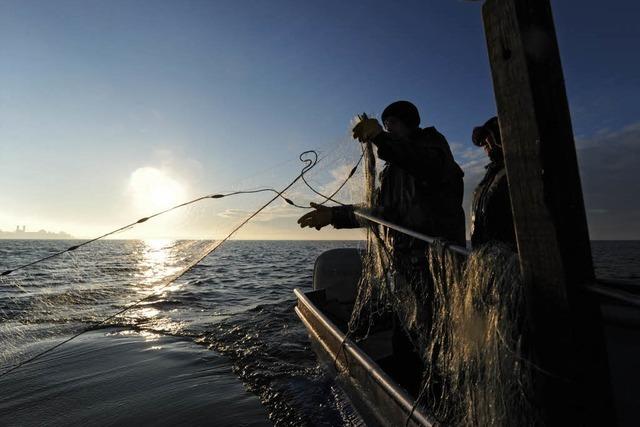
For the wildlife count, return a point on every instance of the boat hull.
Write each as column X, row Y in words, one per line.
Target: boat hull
column 378, row 398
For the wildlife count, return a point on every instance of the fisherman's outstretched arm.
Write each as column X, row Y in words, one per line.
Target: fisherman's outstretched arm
column 338, row 216
column 344, row 217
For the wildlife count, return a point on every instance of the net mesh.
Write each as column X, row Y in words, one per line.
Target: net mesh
column 49, row 302
column 465, row 319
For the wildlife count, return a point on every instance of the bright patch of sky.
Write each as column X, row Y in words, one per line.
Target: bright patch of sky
column 113, row 108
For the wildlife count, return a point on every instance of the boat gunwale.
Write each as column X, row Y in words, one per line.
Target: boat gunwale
column 371, row 367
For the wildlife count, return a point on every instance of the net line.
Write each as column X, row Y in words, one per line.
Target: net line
column 310, row 158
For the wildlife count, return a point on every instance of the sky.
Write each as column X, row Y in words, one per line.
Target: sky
column 111, row 110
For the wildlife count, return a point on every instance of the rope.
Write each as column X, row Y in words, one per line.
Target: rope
column 198, row 199
column 330, row 197
column 310, row 164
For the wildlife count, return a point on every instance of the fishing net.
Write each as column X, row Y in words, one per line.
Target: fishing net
column 47, row 303
column 477, row 348
column 465, row 320
column 133, row 279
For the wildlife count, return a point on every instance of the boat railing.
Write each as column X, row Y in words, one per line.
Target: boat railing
column 455, row 248
column 614, row 289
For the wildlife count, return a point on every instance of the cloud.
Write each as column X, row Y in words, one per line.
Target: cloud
column 610, row 171
column 352, row 192
column 472, row 160
column 268, row 214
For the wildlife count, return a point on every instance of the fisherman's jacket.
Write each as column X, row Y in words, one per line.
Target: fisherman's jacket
column 421, row 188
column 491, row 218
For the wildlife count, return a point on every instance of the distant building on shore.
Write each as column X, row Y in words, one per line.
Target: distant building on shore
column 22, row 233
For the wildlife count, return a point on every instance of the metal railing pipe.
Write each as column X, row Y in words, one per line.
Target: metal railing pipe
column 455, row 248
column 611, row 291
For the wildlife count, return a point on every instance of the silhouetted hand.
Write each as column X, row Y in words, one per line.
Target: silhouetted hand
column 366, row 130
column 317, row 218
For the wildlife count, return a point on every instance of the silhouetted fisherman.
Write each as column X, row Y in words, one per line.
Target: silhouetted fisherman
column 491, row 217
column 421, row 188
column 421, row 185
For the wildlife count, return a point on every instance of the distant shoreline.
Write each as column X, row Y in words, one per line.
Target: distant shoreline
column 22, row 234
column 186, row 238
column 52, row 236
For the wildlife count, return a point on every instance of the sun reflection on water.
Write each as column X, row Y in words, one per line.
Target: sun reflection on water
column 158, row 264
column 148, row 313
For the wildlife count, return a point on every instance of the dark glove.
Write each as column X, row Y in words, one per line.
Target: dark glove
column 318, row 218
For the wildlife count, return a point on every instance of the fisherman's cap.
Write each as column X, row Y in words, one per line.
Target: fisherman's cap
column 491, row 128
column 404, row 111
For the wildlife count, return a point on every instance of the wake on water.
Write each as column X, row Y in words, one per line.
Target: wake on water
column 159, row 286
column 238, row 303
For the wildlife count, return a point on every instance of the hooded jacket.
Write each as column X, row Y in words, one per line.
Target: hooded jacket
column 491, row 217
column 421, row 188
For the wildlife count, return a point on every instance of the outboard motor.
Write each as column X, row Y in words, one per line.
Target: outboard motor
column 338, row 271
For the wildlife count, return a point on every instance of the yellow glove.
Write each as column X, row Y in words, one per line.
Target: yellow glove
column 366, row 129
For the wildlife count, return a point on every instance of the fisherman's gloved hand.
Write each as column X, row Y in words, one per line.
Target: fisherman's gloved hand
column 318, row 218
column 366, row 130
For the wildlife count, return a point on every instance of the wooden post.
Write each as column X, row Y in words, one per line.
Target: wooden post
column 572, row 384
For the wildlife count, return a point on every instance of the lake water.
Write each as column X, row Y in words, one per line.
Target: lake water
column 220, row 346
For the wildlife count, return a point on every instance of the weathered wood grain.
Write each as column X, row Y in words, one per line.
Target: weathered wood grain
column 572, row 384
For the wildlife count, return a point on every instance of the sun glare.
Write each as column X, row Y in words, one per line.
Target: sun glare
column 153, row 189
